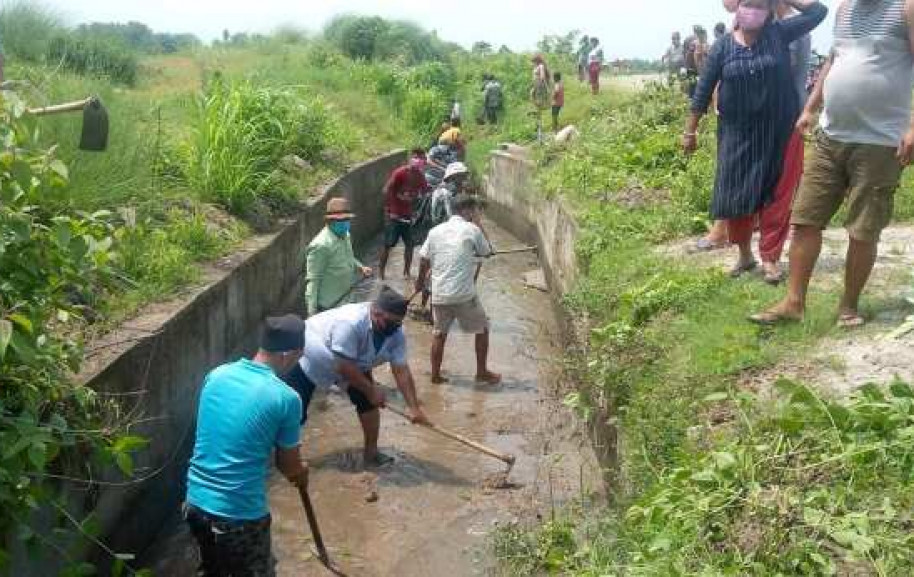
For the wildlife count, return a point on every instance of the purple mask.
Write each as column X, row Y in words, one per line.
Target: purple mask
column 751, row 19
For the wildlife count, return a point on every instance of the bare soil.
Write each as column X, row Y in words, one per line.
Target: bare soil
column 847, row 359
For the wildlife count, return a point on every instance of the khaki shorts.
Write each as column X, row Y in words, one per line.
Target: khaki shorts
column 470, row 315
column 864, row 175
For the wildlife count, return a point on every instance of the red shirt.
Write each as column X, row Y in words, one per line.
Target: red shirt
column 403, row 187
column 558, row 95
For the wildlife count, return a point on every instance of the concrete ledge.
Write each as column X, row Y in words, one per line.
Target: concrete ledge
column 156, row 362
column 516, row 205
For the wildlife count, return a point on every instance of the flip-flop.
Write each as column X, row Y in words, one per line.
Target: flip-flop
column 772, row 318
column 705, row 245
column 850, row 321
column 774, row 279
column 741, row 268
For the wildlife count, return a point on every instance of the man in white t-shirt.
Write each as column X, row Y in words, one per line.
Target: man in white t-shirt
column 342, row 346
column 451, row 254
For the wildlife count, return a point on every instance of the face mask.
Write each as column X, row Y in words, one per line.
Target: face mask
column 751, row 19
column 389, row 328
column 340, row 227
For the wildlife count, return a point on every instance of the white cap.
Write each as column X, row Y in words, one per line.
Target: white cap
column 455, row 168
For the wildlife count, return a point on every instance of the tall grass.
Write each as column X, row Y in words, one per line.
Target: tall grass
column 27, row 29
column 235, row 137
column 84, row 54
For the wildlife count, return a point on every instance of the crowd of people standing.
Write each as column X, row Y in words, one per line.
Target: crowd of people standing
column 755, row 79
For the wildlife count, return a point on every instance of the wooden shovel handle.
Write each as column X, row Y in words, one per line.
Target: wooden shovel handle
column 58, row 108
column 509, row 459
column 312, row 522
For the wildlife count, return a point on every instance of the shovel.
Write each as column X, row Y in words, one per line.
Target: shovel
column 94, row 135
column 316, row 533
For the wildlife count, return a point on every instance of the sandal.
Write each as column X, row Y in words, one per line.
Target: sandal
column 774, row 278
column 705, row 245
column 741, row 268
column 850, row 321
column 773, row 317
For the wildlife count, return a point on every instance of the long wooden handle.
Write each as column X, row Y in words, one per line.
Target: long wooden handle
column 312, row 522
column 58, row 108
column 516, row 250
column 509, row 459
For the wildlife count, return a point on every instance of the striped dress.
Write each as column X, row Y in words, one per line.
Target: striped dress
column 758, row 107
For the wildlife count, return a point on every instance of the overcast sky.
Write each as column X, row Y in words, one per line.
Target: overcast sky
column 632, row 28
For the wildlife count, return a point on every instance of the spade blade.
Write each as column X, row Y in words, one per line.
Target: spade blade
column 95, row 127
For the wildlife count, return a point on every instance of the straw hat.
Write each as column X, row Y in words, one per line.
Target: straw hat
column 339, row 209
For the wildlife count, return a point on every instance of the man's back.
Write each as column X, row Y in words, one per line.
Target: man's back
column 454, row 249
column 245, row 412
column 345, row 332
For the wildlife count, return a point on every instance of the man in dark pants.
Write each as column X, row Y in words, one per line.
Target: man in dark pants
column 343, row 346
column 405, row 185
column 246, row 413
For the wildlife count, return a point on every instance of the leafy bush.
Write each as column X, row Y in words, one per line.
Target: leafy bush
column 95, row 57
column 374, row 38
column 51, row 263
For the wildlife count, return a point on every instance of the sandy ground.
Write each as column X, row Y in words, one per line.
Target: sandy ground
column 847, row 359
column 435, row 511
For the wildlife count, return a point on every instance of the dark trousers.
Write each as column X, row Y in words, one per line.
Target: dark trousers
column 231, row 548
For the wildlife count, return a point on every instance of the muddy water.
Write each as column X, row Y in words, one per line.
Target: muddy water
column 434, row 512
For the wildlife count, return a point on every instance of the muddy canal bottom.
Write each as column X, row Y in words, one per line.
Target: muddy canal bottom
column 433, row 510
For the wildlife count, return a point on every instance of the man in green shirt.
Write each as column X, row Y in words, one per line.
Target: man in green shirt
column 330, row 262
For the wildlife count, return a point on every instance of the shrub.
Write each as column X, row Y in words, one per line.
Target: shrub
column 95, row 57
column 241, row 133
column 236, row 136
column 27, row 29
column 423, row 111
column 51, row 262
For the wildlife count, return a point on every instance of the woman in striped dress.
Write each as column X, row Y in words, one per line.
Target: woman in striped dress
column 758, row 108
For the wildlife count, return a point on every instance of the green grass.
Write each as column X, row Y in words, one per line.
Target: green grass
column 665, row 337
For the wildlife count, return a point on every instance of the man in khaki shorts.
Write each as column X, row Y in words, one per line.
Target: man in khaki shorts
column 451, row 254
column 865, row 139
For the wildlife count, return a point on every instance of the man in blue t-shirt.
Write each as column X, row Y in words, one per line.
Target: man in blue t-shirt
column 343, row 346
column 246, row 412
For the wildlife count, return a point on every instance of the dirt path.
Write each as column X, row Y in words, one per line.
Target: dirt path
column 434, row 513
column 848, row 359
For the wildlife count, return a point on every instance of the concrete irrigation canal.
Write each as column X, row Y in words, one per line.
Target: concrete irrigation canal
column 436, row 507
column 433, row 509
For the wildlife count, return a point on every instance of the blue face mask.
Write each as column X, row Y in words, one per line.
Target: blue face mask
column 340, row 227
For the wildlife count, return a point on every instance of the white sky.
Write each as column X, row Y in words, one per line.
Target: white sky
column 628, row 28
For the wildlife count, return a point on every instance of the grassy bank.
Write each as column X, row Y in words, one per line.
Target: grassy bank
column 711, row 480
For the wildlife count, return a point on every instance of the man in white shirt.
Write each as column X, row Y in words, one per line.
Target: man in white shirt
column 452, row 253
column 342, row 346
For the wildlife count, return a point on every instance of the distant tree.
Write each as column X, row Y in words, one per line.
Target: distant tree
column 505, row 50
column 481, row 48
column 356, row 36
column 558, row 44
column 290, row 34
column 374, row 38
column 226, row 36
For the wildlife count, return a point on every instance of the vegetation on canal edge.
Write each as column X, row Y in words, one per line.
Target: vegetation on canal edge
column 711, row 480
